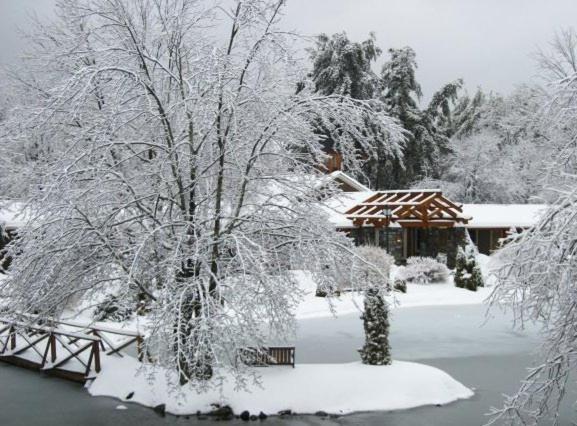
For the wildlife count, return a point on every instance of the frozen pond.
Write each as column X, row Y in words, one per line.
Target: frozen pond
column 487, row 356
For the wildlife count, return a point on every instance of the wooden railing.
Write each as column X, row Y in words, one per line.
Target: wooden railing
column 272, row 355
column 52, row 348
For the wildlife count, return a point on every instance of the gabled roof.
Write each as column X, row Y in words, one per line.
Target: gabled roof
column 408, row 208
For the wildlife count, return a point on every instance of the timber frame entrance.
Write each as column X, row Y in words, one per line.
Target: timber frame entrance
column 409, row 209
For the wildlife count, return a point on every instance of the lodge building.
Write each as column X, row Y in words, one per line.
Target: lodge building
column 423, row 222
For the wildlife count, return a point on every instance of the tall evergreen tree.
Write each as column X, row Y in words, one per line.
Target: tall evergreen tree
column 376, row 350
column 427, row 139
column 343, row 67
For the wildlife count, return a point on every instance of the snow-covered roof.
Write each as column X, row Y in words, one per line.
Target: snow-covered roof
column 348, row 180
column 339, row 204
column 12, row 214
column 481, row 215
column 503, row 215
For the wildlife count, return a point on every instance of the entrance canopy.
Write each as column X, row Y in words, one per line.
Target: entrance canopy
column 407, row 208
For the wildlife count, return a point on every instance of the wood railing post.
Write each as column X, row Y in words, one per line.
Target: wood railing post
column 96, row 352
column 52, row 339
column 12, row 338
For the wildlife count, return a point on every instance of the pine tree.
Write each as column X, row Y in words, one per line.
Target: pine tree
column 460, row 268
column 427, row 142
column 343, row 67
column 468, row 272
column 376, row 350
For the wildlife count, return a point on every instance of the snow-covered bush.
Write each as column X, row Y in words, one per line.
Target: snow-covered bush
column 113, row 308
column 373, row 267
column 442, row 258
column 376, row 350
column 400, row 285
column 423, row 270
column 467, row 269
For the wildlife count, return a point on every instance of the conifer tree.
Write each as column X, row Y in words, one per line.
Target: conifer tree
column 344, row 67
column 468, row 272
column 460, row 268
column 341, row 66
column 426, row 141
column 376, row 350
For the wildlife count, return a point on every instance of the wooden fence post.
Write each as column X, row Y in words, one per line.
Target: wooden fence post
column 96, row 352
column 12, row 338
column 52, row 347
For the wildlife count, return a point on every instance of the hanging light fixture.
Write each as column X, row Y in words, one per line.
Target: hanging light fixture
column 388, row 214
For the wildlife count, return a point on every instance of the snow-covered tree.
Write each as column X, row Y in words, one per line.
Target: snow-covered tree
column 466, row 114
column 343, row 67
column 499, row 149
column 376, row 350
column 373, row 267
column 539, row 278
column 427, row 141
column 468, row 272
column 177, row 176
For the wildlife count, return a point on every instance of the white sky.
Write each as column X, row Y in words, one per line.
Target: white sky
column 486, row 42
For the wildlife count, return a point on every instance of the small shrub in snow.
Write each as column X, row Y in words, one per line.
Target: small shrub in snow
column 423, row 270
column 442, row 258
column 400, row 285
column 373, row 267
column 112, row 309
column 376, row 350
column 467, row 269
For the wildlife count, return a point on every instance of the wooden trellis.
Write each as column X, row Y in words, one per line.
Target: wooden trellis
column 419, row 208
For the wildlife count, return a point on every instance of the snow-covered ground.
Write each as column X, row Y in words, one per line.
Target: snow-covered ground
column 338, row 388
column 417, row 295
column 334, row 388
column 307, row 388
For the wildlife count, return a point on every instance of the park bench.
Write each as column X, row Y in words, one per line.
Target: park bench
column 268, row 356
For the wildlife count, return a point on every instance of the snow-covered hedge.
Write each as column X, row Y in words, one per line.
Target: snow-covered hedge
column 373, row 267
column 423, row 270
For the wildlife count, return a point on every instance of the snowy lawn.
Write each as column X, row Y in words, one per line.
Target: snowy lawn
column 417, row 295
column 306, row 389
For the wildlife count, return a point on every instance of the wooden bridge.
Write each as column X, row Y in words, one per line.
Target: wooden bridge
column 64, row 348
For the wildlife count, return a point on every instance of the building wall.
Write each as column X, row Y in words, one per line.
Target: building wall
column 391, row 239
column 430, row 242
column 406, row 242
column 488, row 240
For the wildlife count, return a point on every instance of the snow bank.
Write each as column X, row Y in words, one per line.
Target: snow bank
column 308, row 388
